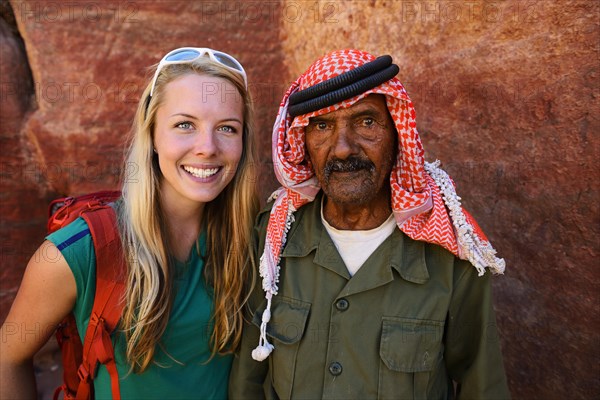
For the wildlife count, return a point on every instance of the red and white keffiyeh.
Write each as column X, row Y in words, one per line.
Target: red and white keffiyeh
column 424, row 200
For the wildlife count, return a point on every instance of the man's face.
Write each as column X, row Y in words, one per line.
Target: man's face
column 353, row 151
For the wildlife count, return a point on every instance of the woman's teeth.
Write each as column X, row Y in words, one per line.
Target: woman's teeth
column 200, row 172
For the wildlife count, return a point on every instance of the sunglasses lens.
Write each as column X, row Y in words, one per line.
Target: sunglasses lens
column 189, row 55
column 228, row 61
column 183, row 55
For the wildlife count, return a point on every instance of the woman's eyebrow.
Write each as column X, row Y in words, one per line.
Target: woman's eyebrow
column 182, row 115
column 232, row 119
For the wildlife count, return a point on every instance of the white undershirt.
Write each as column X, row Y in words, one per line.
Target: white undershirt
column 356, row 246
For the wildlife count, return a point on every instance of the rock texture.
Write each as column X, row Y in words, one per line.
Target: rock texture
column 506, row 95
column 22, row 202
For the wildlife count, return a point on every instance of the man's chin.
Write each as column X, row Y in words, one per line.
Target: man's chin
column 351, row 197
column 350, row 188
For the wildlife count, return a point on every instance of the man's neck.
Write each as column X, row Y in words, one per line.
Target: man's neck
column 357, row 217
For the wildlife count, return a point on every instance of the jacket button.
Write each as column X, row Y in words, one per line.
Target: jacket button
column 342, row 304
column 335, row 368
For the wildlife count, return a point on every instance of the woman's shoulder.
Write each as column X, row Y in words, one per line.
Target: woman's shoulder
column 70, row 234
column 74, row 241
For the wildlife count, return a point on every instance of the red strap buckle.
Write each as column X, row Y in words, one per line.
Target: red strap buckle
column 96, row 323
column 83, row 374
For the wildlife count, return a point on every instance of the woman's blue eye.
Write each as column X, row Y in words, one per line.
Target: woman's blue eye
column 184, row 125
column 228, row 129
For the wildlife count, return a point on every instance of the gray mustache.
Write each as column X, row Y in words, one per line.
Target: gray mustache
column 348, row 165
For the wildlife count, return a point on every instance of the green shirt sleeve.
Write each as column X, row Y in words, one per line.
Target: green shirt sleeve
column 472, row 346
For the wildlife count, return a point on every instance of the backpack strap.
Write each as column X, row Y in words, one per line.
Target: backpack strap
column 108, row 302
column 71, row 348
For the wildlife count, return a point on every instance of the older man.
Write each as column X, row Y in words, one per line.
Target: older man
column 373, row 276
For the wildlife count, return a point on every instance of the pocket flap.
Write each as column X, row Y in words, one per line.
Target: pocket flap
column 410, row 345
column 288, row 319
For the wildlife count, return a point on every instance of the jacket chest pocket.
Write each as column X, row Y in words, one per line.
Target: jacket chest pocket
column 286, row 328
column 410, row 351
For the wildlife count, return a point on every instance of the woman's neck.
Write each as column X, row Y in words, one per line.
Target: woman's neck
column 183, row 227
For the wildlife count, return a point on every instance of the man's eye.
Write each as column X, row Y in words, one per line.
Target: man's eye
column 368, row 121
column 318, row 126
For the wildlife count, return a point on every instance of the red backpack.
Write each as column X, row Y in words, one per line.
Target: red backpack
column 80, row 361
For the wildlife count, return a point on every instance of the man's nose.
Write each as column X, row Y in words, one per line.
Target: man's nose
column 345, row 143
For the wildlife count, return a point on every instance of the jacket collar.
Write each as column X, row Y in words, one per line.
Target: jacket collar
column 307, row 234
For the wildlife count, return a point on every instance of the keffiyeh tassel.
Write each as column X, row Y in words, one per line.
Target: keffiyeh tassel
column 269, row 272
column 264, row 348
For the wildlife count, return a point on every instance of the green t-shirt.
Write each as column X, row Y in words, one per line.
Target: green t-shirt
column 179, row 370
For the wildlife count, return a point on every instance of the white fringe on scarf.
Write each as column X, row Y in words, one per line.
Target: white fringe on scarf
column 470, row 247
column 269, row 271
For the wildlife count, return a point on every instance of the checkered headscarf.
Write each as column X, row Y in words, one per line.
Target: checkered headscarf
column 424, row 201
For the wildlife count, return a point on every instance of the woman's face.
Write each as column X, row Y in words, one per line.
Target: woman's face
column 198, row 138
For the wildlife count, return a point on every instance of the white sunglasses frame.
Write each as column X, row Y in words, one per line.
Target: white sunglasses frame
column 203, row 51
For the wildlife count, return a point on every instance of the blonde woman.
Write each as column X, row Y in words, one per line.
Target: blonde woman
column 185, row 218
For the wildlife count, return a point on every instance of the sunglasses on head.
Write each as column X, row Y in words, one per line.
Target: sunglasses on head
column 186, row 55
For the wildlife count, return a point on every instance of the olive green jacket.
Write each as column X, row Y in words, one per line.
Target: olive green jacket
column 412, row 320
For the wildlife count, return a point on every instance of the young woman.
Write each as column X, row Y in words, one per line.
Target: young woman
column 185, row 219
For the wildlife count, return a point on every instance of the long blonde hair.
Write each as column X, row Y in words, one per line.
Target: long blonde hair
column 228, row 220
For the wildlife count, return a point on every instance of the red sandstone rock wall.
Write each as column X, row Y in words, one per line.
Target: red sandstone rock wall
column 22, row 200
column 506, row 94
